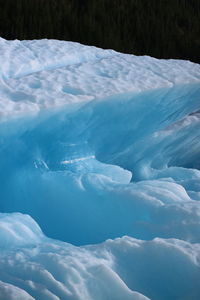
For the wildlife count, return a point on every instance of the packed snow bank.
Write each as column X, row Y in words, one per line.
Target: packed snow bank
column 117, row 153
column 49, row 269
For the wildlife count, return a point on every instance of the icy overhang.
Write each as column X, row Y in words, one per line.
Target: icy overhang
column 121, row 115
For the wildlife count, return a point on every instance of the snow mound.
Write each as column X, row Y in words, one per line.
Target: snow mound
column 56, row 270
column 115, row 269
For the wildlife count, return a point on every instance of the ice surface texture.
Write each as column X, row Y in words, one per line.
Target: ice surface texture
column 114, row 162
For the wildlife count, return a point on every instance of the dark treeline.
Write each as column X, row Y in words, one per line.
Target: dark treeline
column 160, row 28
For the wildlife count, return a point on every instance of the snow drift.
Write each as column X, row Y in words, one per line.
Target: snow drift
column 102, row 148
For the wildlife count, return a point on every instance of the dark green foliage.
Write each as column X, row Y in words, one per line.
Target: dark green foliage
column 160, row 28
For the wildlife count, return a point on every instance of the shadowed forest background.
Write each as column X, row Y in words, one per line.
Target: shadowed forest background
column 160, row 28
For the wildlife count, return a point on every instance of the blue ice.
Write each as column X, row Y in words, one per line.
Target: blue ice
column 99, row 174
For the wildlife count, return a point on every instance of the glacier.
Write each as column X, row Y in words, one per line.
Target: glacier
column 99, row 176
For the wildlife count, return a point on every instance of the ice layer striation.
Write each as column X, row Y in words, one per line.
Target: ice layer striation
column 99, row 174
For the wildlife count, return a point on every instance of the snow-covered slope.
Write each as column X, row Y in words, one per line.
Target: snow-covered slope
column 102, row 148
column 46, row 73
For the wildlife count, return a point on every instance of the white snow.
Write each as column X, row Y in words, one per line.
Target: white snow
column 46, row 73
